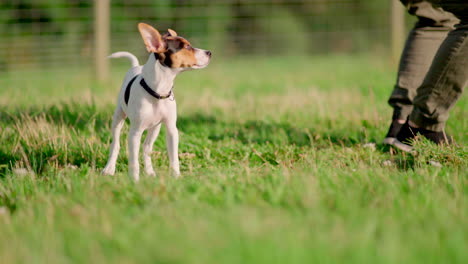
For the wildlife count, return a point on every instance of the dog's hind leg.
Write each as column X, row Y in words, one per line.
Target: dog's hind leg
column 148, row 148
column 117, row 124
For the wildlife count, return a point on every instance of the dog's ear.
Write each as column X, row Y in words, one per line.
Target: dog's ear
column 152, row 38
column 172, row 33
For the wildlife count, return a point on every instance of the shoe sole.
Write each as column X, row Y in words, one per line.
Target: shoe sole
column 397, row 144
column 403, row 147
column 389, row 140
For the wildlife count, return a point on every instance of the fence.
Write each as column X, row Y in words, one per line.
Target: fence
column 44, row 33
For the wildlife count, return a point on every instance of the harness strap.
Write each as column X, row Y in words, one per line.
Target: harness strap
column 129, row 87
column 147, row 89
column 152, row 92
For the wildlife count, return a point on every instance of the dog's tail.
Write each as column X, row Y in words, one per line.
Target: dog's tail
column 124, row 54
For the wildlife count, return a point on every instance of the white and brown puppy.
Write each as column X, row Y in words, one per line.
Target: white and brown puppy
column 146, row 98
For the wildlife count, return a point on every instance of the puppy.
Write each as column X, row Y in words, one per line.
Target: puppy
column 147, row 99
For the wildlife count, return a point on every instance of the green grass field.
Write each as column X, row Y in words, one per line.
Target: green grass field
column 274, row 162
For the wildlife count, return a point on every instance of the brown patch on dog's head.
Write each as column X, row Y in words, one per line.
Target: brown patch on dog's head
column 170, row 49
column 180, row 53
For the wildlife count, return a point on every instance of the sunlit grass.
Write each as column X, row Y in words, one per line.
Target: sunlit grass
column 275, row 163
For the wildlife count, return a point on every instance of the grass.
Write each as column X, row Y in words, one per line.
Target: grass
column 275, row 162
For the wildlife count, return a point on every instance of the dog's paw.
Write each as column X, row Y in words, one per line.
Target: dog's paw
column 175, row 173
column 108, row 171
column 135, row 178
column 150, row 173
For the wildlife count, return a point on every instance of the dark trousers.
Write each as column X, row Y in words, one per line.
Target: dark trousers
column 434, row 64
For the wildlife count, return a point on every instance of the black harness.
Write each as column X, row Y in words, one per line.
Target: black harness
column 129, row 87
column 147, row 89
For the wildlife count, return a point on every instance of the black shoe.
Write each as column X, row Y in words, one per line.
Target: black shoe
column 395, row 127
column 408, row 134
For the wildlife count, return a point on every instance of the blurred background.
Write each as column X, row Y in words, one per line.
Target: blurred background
column 38, row 34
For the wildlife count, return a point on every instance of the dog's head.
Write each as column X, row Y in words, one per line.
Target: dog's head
column 173, row 51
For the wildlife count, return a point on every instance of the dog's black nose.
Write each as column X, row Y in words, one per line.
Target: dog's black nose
column 208, row 53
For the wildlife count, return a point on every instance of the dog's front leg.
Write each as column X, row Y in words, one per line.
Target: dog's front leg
column 172, row 140
column 134, row 139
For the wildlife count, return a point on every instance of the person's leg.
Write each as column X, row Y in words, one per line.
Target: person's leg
column 443, row 84
column 421, row 45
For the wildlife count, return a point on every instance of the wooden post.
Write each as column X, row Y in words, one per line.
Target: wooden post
column 101, row 38
column 397, row 24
